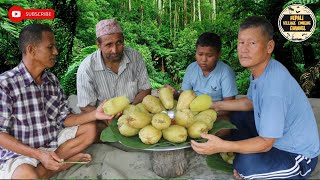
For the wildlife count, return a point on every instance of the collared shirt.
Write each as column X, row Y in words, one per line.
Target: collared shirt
column 220, row 83
column 31, row 113
column 96, row 82
column 283, row 111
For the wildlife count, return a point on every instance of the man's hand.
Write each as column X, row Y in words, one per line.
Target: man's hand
column 212, row 146
column 215, row 106
column 50, row 160
column 100, row 115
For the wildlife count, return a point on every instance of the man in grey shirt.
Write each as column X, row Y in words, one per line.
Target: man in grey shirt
column 113, row 70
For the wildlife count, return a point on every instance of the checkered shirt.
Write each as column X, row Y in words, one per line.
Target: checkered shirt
column 33, row 114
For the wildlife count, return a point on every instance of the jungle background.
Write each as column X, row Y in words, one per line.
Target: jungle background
column 164, row 32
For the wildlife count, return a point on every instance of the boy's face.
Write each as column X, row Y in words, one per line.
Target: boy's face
column 207, row 57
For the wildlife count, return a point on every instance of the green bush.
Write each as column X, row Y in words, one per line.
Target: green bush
column 243, row 81
column 69, row 78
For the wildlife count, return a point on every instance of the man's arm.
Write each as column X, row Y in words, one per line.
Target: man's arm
column 241, row 104
column 50, row 160
column 229, row 88
column 252, row 145
column 216, row 145
column 139, row 97
column 87, row 109
column 78, row 119
column 223, row 113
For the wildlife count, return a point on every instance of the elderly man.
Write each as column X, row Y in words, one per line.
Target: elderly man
column 113, row 70
column 37, row 130
column 279, row 139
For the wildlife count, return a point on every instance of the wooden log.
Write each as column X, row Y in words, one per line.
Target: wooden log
column 169, row 164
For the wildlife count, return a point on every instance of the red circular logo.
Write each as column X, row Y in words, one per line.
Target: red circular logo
column 16, row 14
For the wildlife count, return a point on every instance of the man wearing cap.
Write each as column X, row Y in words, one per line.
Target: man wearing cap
column 113, row 70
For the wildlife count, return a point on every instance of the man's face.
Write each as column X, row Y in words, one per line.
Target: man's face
column 207, row 57
column 45, row 52
column 112, row 47
column 254, row 47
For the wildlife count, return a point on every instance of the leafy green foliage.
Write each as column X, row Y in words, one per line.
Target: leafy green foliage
column 183, row 56
column 243, row 81
column 166, row 41
column 160, row 79
column 10, row 54
column 68, row 80
column 304, row 2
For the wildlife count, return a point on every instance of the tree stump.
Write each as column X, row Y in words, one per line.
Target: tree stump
column 169, row 164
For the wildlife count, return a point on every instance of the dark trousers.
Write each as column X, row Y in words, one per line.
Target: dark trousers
column 274, row 164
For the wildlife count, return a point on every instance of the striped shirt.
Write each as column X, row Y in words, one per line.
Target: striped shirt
column 96, row 82
column 33, row 114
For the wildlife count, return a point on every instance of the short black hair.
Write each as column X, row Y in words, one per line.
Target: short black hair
column 32, row 34
column 258, row 21
column 209, row 39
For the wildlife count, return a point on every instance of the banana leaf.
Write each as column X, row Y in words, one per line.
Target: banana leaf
column 221, row 124
column 108, row 136
column 215, row 161
column 112, row 134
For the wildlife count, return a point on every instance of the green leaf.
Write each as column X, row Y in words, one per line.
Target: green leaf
column 215, row 161
column 131, row 142
column 108, row 136
column 221, row 124
column 135, row 143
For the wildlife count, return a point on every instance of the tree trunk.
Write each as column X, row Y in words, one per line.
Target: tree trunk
column 159, row 12
column 129, row 4
column 123, row 6
column 178, row 17
column 185, row 13
column 169, row 164
column 175, row 21
column 67, row 12
column 170, row 14
column 194, row 11
column 199, row 10
column 141, row 11
column 163, row 6
column 162, row 65
column 214, row 13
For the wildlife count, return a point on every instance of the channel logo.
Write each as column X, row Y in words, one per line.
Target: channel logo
column 297, row 23
column 17, row 14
